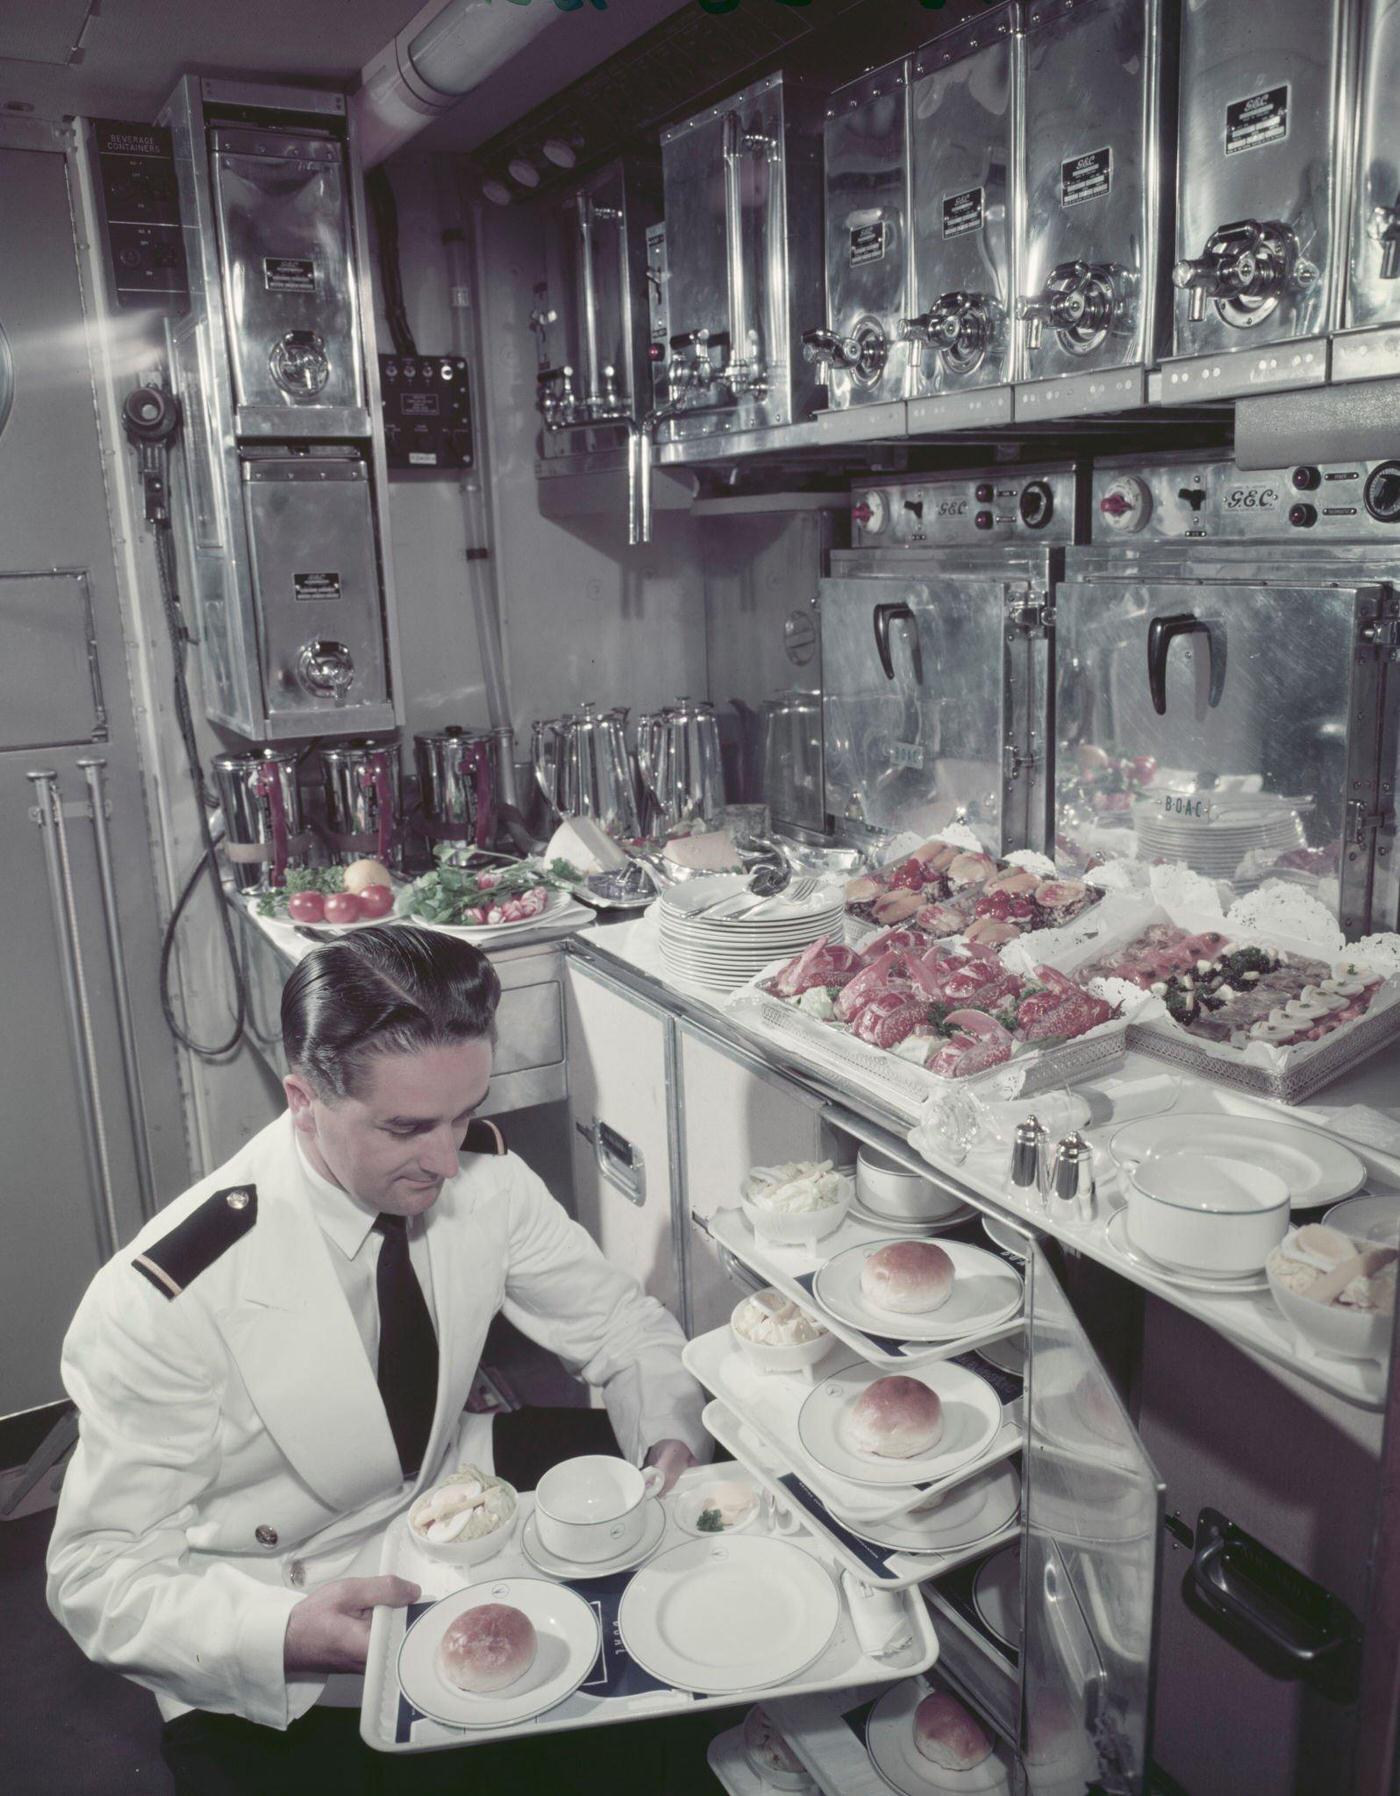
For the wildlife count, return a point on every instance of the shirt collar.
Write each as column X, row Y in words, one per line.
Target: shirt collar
column 341, row 1216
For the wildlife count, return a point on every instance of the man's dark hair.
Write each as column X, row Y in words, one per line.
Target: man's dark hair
column 386, row 990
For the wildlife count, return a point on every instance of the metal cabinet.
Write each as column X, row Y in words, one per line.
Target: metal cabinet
column 620, row 1081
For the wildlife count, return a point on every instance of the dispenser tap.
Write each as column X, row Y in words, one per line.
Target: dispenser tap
column 1081, row 302
column 1383, row 227
column 610, row 405
column 862, row 355
column 1247, row 268
column 959, row 326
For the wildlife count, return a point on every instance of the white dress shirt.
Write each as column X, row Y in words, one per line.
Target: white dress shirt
column 348, row 1225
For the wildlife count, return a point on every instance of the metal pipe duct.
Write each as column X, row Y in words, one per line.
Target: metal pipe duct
column 447, row 48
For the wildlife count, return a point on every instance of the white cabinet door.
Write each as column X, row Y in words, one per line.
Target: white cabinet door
column 617, row 1052
column 731, row 1118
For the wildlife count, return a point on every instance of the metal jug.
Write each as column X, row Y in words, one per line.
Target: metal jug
column 262, row 817
column 685, row 776
column 650, row 726
column 594, row 771
column 792, row 758
column 546, row 758
column 457, row 784
column 360, row 789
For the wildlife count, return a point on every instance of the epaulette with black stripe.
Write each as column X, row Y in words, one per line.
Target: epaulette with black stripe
column 193, row 1245
column 484, row 1137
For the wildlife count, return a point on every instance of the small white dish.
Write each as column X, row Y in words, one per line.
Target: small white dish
column 996, row 1595
column 569, row 1640
column 889, row 1739
column 780, row 1356
column 469, row 1552
column 1332, row 1327
column 1374, row 1218
column 971, row 1419
column 888, row 1188
column 969, row 1513
column 689, row 1505
column 794, row 1228
column 593, row 1507
column 572, row 1570
column 863, row 1213
column 1116, row 1235
column 985, row 1291
column 1317, row 1168
column 723, row 1616
column 1205, row 1214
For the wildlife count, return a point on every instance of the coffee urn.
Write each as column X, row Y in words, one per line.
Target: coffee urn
column 263, row 833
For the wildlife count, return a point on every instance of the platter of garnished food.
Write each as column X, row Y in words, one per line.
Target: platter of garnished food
column 940, row 890
column 491, row 898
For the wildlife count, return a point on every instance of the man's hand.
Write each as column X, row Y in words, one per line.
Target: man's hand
column 673, row 1457
column 329, row 1629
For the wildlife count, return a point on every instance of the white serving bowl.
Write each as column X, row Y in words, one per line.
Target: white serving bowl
column 795, row 1228
column 1205, row 1214
column 766, row 1356
column 469, row 1552
column 893, row 1193
column 1349, row 1333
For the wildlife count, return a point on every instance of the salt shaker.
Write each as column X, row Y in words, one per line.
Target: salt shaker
column 1072, row 1180
column 1029, row 1147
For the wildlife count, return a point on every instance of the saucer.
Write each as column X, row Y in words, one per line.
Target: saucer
column 1116, row 1234
column 543, row 1560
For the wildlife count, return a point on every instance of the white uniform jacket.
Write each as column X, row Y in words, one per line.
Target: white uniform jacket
column 234, row 1449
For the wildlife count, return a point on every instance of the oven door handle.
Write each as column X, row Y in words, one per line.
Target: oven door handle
column 1161, row 633
column 900, row 613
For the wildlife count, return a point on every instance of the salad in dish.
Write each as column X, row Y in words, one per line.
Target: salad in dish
column 481, row 897
column 363, row 892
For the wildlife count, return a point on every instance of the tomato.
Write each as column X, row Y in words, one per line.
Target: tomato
column 306, row 907
column 375, row 901
column 342, row 907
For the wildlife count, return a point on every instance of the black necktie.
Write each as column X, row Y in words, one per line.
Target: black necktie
column 408, row 1349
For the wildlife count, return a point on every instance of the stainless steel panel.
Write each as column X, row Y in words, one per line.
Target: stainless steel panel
column 1092, row 1502
column 1373, row 242
column 1315, row 510
column 315, row 582
column 1259, row 181
column 867, row 239
column 1268, row 688
column 1089, row 266
column 744, row 249
column 288, row 270
column 922, row 745
column 1029, row 507
column 962, row 158
column 50, row 681
column 529, row 1028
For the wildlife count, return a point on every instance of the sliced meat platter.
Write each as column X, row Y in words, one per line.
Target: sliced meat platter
column 940, row 891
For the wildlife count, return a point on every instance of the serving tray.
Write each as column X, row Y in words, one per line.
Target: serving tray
column 769, row 1403
column 792, row 1270
column 617, row 1689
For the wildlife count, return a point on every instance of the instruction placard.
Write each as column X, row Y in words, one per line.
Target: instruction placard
column 316, row 586
column 289, row 274
column 867, row 244
column 1260, row 119
column 1086, row 177
column 963, row 212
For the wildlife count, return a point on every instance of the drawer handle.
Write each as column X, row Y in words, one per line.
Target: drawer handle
column 621, row 1164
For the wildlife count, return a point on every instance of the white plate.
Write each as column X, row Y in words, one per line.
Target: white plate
column 1316, row 1168
column 1116, row 1234
column 1005, row 1234
column 1008, row 1355
column 695, row 895
column 737, row 1613
column 1375, row 1217
column 985, row 1291
column 889, row 1738
column 938, row 1226
column 996, row 1595
column 553, row 904
column 553, row 1566
column 569, row 1639
column 970, row 1512
column 971, row 1420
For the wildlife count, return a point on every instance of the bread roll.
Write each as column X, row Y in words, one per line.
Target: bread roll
column 487, row 1648
column 896, row 1417
column 947, row 1735
column 909, row 1278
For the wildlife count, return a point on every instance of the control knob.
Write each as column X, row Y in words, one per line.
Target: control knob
column 871, row 512
column 1126, row 505
column 1036, row 504
column 1382, row 493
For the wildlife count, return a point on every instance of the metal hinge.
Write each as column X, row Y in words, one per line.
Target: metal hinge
column 1363, row 823
column 1381, row 633
column 1016, row 761
column 1030, row 612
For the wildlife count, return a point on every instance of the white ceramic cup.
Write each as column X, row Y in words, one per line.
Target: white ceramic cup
column 593, row 1508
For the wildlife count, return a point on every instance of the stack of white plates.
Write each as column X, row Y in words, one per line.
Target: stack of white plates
column 723, row 953
column 1215, row 842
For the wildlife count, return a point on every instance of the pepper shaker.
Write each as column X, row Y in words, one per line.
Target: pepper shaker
column 1072, row 1180
column 1029, row 1161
